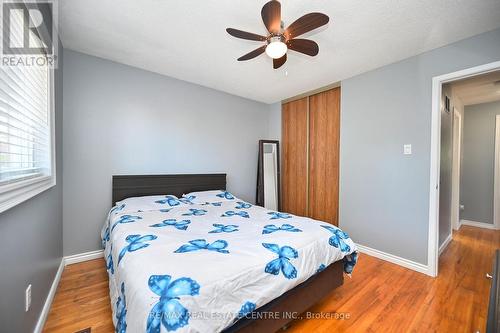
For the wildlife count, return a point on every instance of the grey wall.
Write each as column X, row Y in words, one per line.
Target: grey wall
column 123, row 120
column 384, row 195
column 446, row 163
column 31, row 243
column 274, row 129
column 478, row 164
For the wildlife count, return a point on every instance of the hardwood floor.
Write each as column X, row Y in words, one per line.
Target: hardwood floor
column 82, row 300
column 380, row 297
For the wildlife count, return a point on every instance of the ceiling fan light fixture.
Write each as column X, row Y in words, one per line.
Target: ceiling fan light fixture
column 279, row 39
column 276, row 48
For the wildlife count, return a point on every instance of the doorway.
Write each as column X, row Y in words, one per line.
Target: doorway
column 447, row 152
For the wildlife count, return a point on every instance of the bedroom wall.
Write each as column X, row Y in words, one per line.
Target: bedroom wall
column 478, row 165
column 123, row 120
column 384, row 195
column 31, row 241
column 274, row 130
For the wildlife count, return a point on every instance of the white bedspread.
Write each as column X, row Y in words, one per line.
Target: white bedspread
column 199, row 267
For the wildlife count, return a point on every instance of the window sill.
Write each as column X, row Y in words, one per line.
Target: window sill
column 18, row 194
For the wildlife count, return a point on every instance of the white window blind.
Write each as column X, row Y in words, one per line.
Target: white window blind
column 25, row 118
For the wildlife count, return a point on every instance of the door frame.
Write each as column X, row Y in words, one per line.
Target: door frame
column 437, row 82
column 456, row 165
column 496, row 181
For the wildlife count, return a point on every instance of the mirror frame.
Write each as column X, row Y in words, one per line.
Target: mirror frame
column 260, row 173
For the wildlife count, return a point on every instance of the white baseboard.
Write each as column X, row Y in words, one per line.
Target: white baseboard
column 76, row 258
column 478, row 224
column 394, row 259
column 445, row 244
column 65, row 261
column 50, row 297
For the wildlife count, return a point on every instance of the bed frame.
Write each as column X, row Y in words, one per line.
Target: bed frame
column 142, row 185
column 285, row 308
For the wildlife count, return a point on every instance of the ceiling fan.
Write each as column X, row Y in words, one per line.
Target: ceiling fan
column 279, row 40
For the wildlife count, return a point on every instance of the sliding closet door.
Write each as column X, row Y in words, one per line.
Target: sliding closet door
column 294, row 159
column 324, row 139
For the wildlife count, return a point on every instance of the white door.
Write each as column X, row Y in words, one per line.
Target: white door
column 496, row 181
column 455, row 187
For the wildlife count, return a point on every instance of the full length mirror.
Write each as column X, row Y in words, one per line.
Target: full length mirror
column 268, row 175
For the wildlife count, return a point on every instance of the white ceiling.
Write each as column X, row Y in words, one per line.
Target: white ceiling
column 480, row 89
column 187, row 39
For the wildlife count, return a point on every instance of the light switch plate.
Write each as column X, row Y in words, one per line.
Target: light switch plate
column 407, row 149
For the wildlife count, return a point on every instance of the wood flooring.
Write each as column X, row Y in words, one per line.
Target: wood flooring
column 380, row 296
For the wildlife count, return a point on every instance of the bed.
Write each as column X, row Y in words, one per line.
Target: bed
column 210, row 262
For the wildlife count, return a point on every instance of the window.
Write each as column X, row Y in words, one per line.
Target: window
column 26, row 132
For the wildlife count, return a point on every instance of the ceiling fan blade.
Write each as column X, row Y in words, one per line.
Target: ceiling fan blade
column 271, row 15
column 305, row 24
column 277, row 63
column 253, row 54
column 245, row 35
column 305, row 46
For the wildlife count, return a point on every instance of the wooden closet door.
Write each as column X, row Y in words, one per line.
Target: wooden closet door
column 324, row 139
column 294, row 159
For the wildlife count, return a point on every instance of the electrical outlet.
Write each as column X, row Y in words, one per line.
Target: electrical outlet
column 407, row 149
column 27, row 298
column 462, row 207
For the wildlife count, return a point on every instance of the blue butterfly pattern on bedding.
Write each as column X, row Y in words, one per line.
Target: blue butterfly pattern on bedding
column 136, row 242
column 165, row 210
column 121, row 312
column 337, row 240
column 105, row 237
column 116, row 209
column 169, row 200
column 230, row 213
column 242, row 205
column 246, row 308
column 201, row 244
column 179, row 225
column 270, row 228
column 226, row 195
column 187, row 200
column 321, row 268
column 125, row 219
column 223, row 228
column 169, row 311
column 277, row 215
column 350, row 261
column 285, row 253
column 195, row 212
column 109, row 261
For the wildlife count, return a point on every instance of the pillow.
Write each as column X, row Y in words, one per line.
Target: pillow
column 146, row 203
column 209, row 196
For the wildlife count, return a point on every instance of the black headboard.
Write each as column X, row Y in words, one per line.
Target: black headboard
column 141, row 185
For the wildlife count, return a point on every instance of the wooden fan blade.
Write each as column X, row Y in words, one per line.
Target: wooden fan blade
column 271, row 15
column 245, row 35
column 277, row 63
column 305, row 24
column 305, row 46
column 253, row 54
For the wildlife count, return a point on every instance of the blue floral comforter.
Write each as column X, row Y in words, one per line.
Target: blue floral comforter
column 185, row 266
